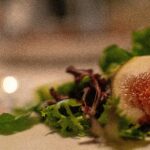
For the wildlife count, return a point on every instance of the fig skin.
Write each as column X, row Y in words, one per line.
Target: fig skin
column 132, row 85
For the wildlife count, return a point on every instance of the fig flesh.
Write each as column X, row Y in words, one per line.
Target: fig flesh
column 132, row 85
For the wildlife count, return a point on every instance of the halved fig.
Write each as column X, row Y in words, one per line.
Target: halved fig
column 132, row 85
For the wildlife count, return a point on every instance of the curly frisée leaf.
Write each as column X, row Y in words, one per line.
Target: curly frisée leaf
column 113, row 56
column 66, row 117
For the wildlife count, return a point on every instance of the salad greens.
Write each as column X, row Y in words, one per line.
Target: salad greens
column 141, row 42
column 113, row 56
column 69, row 115
column 10, row 124
column 42, row 93
column 67, row 118
column 68, row 108
column 126, row 129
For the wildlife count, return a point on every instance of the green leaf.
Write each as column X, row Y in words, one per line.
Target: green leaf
column 104, row 117
column 10, row 124
column 141, row 42
column 66, row 88
column 132, row 133
column 111, row 105
column 69, row 87
column 66, row 117
column 84, row 82
column 129, row 130
column 112, row 58
column 5, row 117
column 43, row 94
column 124, row 126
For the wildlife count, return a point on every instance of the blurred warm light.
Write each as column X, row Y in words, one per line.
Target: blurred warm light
column 10, row 84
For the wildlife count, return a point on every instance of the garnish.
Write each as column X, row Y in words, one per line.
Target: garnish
column 93, row 93
column 141, row 42
column 89, row 94
column 112, row 58
column 10, row 124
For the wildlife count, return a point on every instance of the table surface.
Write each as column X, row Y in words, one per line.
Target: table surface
column 40, row 138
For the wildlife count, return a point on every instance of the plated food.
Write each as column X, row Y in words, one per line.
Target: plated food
column 86, row 106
